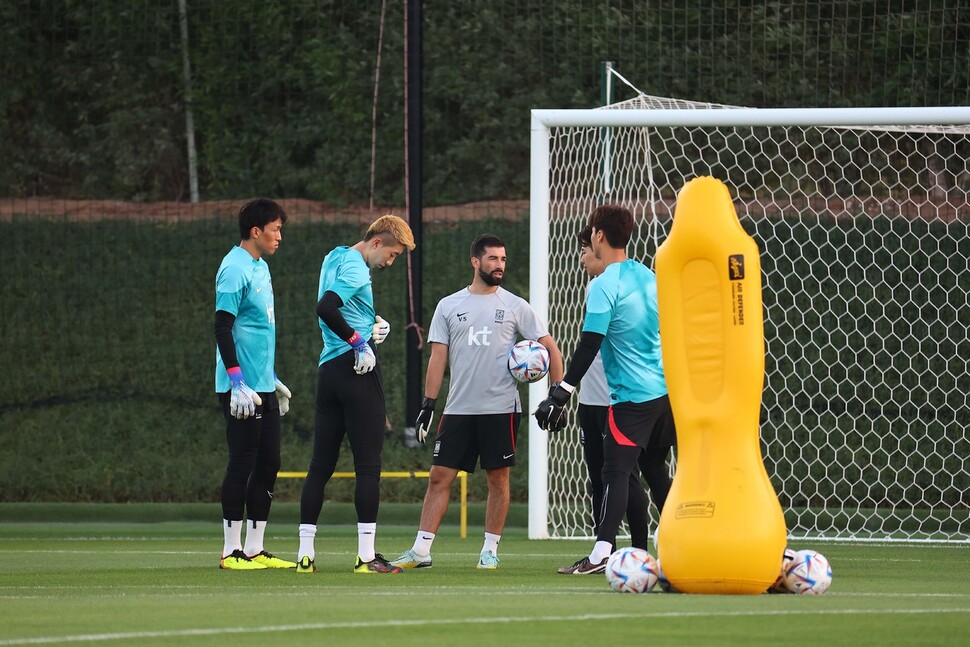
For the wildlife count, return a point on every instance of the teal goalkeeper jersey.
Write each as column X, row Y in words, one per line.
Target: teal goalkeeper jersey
column 345, row 273
column 621, row 304
column 244, row 289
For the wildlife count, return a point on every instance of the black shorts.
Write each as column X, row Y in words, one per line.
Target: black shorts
column 462, row 440
column 644, row 424
column 592, row 425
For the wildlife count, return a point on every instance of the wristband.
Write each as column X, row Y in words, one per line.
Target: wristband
column 235, row 374
column 356, row 341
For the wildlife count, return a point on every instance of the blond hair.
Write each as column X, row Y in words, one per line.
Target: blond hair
column 391, row 226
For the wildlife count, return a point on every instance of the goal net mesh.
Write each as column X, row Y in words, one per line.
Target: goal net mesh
column 865, row 250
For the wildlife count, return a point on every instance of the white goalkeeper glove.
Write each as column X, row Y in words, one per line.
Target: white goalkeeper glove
column 283, row 395
column 364, row 358
column 381, row 330
column 242, row 400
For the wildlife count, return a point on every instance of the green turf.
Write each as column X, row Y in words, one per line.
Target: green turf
column 156, row 583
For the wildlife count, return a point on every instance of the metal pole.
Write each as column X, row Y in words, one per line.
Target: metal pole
column 414, row 137
column 189, row 122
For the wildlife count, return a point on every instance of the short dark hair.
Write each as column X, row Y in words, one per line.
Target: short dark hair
column 584, row 236
column 259, row 213
column 615, row 222
column 483, row 241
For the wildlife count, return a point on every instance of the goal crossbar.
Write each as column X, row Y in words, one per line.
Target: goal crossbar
column 543, row 120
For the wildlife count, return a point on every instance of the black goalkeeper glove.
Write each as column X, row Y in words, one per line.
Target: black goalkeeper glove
column 423, row 424
column 551, row 412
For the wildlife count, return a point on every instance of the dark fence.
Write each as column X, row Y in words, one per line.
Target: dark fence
column 107, row 299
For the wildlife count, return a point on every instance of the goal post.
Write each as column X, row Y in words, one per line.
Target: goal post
column 539, row 298
column 862, row 218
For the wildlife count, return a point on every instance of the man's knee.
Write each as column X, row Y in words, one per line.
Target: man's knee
column 498, row 479
column 441, row 478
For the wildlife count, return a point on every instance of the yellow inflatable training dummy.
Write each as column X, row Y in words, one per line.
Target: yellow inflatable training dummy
column 722, row 529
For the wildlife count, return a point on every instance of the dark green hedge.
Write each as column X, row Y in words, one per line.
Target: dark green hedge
column 106, row 388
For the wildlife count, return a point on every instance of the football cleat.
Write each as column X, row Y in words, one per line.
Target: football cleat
column 305, row 565
column 271, row 560
column 410, row 559
column 237, row 561
column 584, row 567
column 376, row 565
column 487, row 561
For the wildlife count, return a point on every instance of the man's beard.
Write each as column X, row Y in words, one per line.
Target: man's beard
column 489, row 279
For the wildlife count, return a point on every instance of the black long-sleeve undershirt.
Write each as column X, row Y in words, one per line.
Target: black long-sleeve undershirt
column 224, row 340
column 589, row 345
column 328, row 309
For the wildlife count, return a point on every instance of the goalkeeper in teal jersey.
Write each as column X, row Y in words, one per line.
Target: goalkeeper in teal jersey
column 350, row 389
column 252, row 397
column 593, row 413
column 622, row 324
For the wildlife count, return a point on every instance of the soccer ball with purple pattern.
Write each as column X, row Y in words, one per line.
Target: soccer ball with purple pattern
column 808, row 573
column 528, row 361
column 632, row 570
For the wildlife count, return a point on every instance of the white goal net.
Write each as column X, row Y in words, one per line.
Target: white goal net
column 862, row 217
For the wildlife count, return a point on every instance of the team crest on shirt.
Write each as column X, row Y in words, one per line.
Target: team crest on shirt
column 499, row 316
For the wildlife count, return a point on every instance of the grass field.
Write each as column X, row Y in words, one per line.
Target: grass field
column 156, row 582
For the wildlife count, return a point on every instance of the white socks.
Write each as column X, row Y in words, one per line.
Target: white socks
column 232, row 536
column 365, row 541
column 366, row 533
column 601, row 551
column 254, row 537
column 308, row 532
column 422, row 543
column 491, row 543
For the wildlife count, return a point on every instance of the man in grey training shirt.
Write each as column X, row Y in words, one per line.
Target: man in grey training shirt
column 471, row 332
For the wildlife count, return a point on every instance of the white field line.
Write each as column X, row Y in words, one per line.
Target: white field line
column 386, row 624
column 186, row 591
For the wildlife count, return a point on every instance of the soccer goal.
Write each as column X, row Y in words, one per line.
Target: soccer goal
column 862, row 217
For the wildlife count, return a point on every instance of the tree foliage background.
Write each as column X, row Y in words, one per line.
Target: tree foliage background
column 106, row 307
column 93, row 98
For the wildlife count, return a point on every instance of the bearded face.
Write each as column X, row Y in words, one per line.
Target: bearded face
column 491, row 266
column 492, row 278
